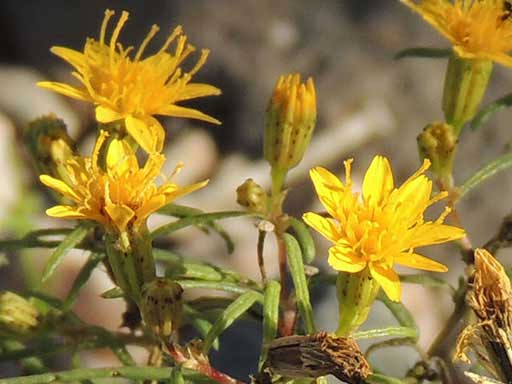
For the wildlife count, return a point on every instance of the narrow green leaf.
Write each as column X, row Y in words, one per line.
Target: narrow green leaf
column 384, row 332
column 69, row 242
column 74, row 375
column 270, row 317
column 177, row 376
column 377, row 378
column 195, row 220
column 202, row 325
column 486, row 112
column 299, row 281
column 306, row 242
column 423, row 52
column 113, row 293
column 219, row 286
column 81, row 279
column 400, row 312
column 230, row 314
column 426, row 281
column 181, row 211
column 486, row 172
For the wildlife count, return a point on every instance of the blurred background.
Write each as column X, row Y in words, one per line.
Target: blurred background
column 368, row 104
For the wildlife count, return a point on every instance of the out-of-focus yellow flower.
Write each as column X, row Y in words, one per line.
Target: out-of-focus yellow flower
column 477, row 29
column 123, row 194
column 382, row 226
column 135, row 89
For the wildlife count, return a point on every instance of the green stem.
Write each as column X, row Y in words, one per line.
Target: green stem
column 134, row 373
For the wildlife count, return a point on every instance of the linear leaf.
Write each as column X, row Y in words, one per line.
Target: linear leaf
column 202, row 325
column 389, row 331
column 181, row 211
column 485, row 172
column 426, row 281
column 299, row 281
column 423, row 52
column 377, row 378
column 74, row 375
column 219, row 286
column 400, row 312
column 306, row 242
column 113, row 293
column 69, row 242
column 195, row 220
column 486, row 112
column 81, row 279
column 270, row 317
column 228, row 316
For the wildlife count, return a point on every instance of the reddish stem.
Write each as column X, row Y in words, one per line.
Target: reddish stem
column 201, row 366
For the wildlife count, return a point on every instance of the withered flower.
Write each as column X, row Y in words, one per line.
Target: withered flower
column 490, row 297
column 317, row 355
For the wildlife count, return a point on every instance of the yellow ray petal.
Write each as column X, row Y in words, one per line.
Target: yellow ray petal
column 432, row 233
column 328, row 187
column 342, row 258
column 378, row 181
column 141, row 133
column 107, row 115
column 120, row 157
column 65, row 211
column 65, row 90
column 59, row 186
column 191, row 91
column 387, row 279
column 413, row 260
column 326, row 227
column 178, row 111
column 120, row 215
column 75, row 58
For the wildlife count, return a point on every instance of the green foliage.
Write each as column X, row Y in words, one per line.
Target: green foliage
column 300, row 282
column 423, row 52
column 69, row 242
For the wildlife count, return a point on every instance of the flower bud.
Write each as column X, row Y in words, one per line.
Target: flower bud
column 49, row 145
column 162, row 306
column 317, row 355
column 437, row 143
column 252, row 195
column 464, row 87
column 291, row 118
column 356, row 293
column 18, row 316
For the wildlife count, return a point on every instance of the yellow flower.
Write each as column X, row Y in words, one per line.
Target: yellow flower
column 135, row 89
column 477, row 29
column 382, row 226
column 122, row 195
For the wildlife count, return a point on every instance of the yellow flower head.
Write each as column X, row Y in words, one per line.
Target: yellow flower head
column 477, row 29
column 134, row 89
column 382, row 226
column 124, row 194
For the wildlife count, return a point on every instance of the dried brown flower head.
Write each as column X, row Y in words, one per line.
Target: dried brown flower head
column 490, row 297
column 317, row 355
